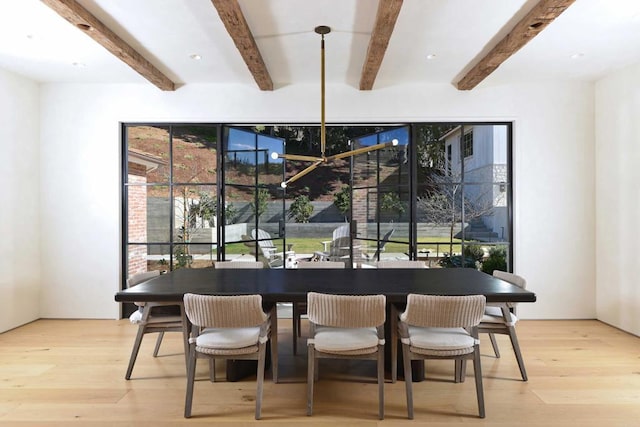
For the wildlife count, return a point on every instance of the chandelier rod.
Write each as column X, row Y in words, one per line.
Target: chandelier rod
column 322, row 30
column 317, row 161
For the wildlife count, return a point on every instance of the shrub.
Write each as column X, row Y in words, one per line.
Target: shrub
column 497, row 260
column 471, row 258
column 261, row 206
column 342, row 200
column 301, row 209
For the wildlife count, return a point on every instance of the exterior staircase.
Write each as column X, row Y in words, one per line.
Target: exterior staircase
column 476, row 230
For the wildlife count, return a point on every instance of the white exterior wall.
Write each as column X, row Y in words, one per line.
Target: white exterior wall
column 617, row 129
column 487, row 164
column 81, row 182
column 19, row 211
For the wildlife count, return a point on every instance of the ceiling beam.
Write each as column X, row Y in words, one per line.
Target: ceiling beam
column 238, row 29
column 90, row 25
column 524, row 31
column 386, row 17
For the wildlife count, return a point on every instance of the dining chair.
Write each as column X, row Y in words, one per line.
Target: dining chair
column 401, row 263
column 247, row 265
column 152, row 317
column 242, row 265
column 227, row 327
column 300, row 308
column 397, row 263
column 500, row 318
column 442, row 327
column 345, row 327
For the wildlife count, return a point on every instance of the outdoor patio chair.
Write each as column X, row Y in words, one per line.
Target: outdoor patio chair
column 269, row 250
column 339, row 247
column 381, row 245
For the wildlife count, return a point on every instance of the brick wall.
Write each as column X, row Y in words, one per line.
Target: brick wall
column 137, row 223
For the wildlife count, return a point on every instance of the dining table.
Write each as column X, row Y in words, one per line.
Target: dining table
column 292, row 285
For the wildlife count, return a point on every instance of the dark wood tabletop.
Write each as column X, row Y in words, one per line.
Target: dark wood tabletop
column 279, row 285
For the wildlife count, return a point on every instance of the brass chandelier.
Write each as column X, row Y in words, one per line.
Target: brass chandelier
column 317, row 161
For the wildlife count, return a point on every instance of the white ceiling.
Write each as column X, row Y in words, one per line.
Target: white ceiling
column 37, row 43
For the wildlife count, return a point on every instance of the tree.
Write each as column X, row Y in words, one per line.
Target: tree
column 342, row 200
column 445, row 204
column 390, row 202
column 194, row 211
column 259, row 205
column 301, row 209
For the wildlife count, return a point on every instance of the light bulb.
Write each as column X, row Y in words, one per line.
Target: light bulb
column 394, row 142
column 274, row 156
column 283, row 184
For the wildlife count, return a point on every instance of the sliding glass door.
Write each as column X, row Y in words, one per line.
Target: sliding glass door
column 381, row 197
column 253, row 199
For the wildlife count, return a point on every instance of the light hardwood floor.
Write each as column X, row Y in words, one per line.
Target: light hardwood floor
column 71, row 372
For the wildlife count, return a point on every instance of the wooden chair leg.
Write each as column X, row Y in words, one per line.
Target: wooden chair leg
column 311, row 361
column 295, row 326
column 260, row 380
column 135, row 350
column 516, row 350
column 494, row 344
column 212, row 370
column 158, row 342
column 273, row 338
column 460, row 370
column 394, row 343
column 381, row 382
column 191, row 373
column 408, row 380
column 478, row 376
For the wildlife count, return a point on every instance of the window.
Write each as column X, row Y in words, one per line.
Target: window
column 170, row 189
column 463, row 209
column 467, row 144
column 196, row 193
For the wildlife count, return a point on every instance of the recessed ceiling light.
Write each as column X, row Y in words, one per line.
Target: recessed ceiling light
column 431, row 56
column 577, row 55
column 195, row 57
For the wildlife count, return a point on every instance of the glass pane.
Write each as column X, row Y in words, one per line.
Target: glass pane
column 194, row 214
column 241, row 250
column 484, row 212
column 439, row 214
column 270, row 170
column 142, row 258
column 194, row 256
column 194, row 154
column 148, row 213
column 147, row 154
column 239, row 212
column 385, row 166
column 240, row 157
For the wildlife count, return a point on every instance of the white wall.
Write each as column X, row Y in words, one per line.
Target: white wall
column 19, row 212
column 617, row 102
column 553, row 154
